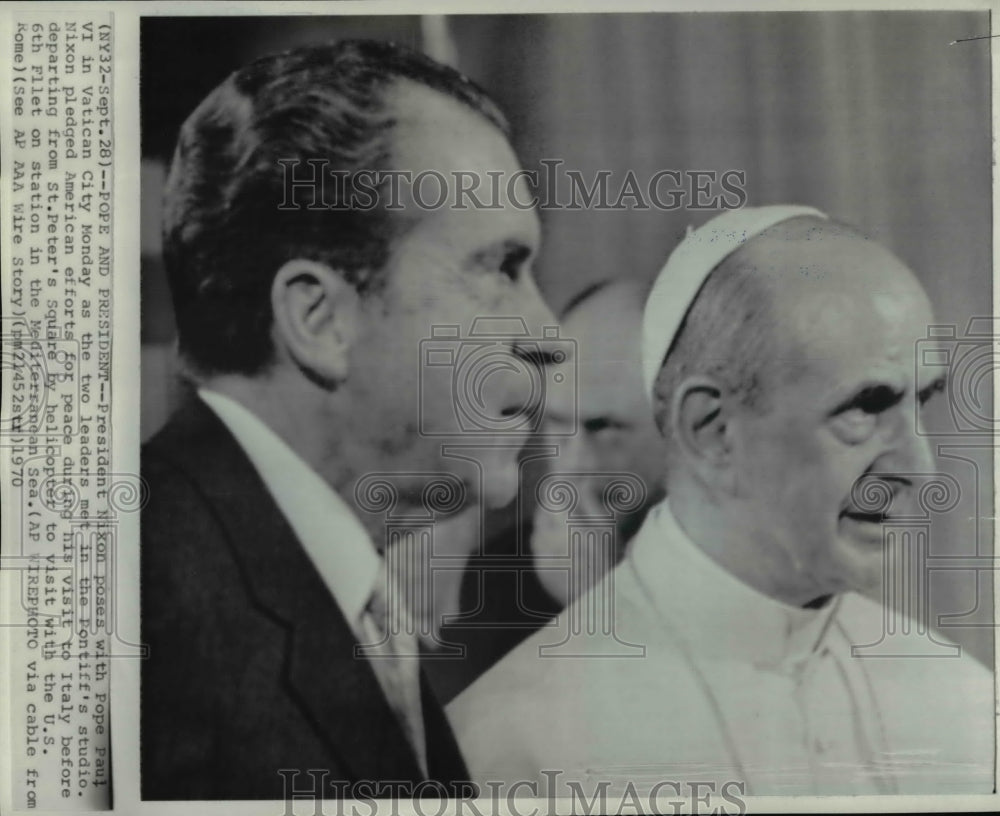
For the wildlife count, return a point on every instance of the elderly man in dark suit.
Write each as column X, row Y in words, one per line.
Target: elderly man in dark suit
column 304, row 283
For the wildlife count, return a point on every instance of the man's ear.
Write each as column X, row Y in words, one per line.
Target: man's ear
column 316, row 314
column 702, row 430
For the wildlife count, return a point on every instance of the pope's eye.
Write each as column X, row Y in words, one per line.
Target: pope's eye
column 855, row 419
column 876, row 400
column 855, row 424
column 871, row 400
column 605, row 430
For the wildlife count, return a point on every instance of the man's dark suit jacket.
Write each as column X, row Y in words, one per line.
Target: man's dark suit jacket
column 251, row 668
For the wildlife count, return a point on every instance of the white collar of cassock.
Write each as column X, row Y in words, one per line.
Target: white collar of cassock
column 717, row 615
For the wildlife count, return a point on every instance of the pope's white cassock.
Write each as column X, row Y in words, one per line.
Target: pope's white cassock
column 732, row 685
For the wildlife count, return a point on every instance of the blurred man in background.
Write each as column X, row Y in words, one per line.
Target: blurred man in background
column 605, row 435
column 597, row 434
column 779, row 348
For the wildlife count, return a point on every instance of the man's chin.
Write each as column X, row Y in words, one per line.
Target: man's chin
column 500, row 489
column 488, row 467
column 500, row 477
column 862, row 562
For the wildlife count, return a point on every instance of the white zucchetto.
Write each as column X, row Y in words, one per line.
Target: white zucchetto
column 687, row 268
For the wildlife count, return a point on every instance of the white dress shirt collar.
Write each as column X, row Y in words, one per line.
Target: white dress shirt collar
column 329, row 531
column 717, row 614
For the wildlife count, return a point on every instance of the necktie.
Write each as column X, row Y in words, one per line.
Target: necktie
column 391, row 647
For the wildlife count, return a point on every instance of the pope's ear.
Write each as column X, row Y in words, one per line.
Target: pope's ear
column 316, row 313
column 701, row 427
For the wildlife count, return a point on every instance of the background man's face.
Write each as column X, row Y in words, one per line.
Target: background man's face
column 602, row 428
column 448, row 268
column 844, row 407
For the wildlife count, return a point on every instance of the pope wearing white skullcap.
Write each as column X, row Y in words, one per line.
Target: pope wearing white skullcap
column 740, row 640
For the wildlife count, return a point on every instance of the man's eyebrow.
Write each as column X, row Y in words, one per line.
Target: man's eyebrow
column 507, row 249
column 872, row 398
column 599, row 423
column 560, row 417
column 935, row 386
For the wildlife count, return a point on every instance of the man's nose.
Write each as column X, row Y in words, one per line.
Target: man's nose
column 544, row 345
column 537, row 313
column 574, row 454
column 919, row 450
column 910, row 453
column 917, row 447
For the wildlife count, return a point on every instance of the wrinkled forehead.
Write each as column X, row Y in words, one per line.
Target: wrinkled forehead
column 823, row 254
column 816, row 272
column 834, row 292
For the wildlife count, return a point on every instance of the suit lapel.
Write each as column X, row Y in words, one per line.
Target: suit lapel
column 338, row 693
column 342, row 696
column 444, row 759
